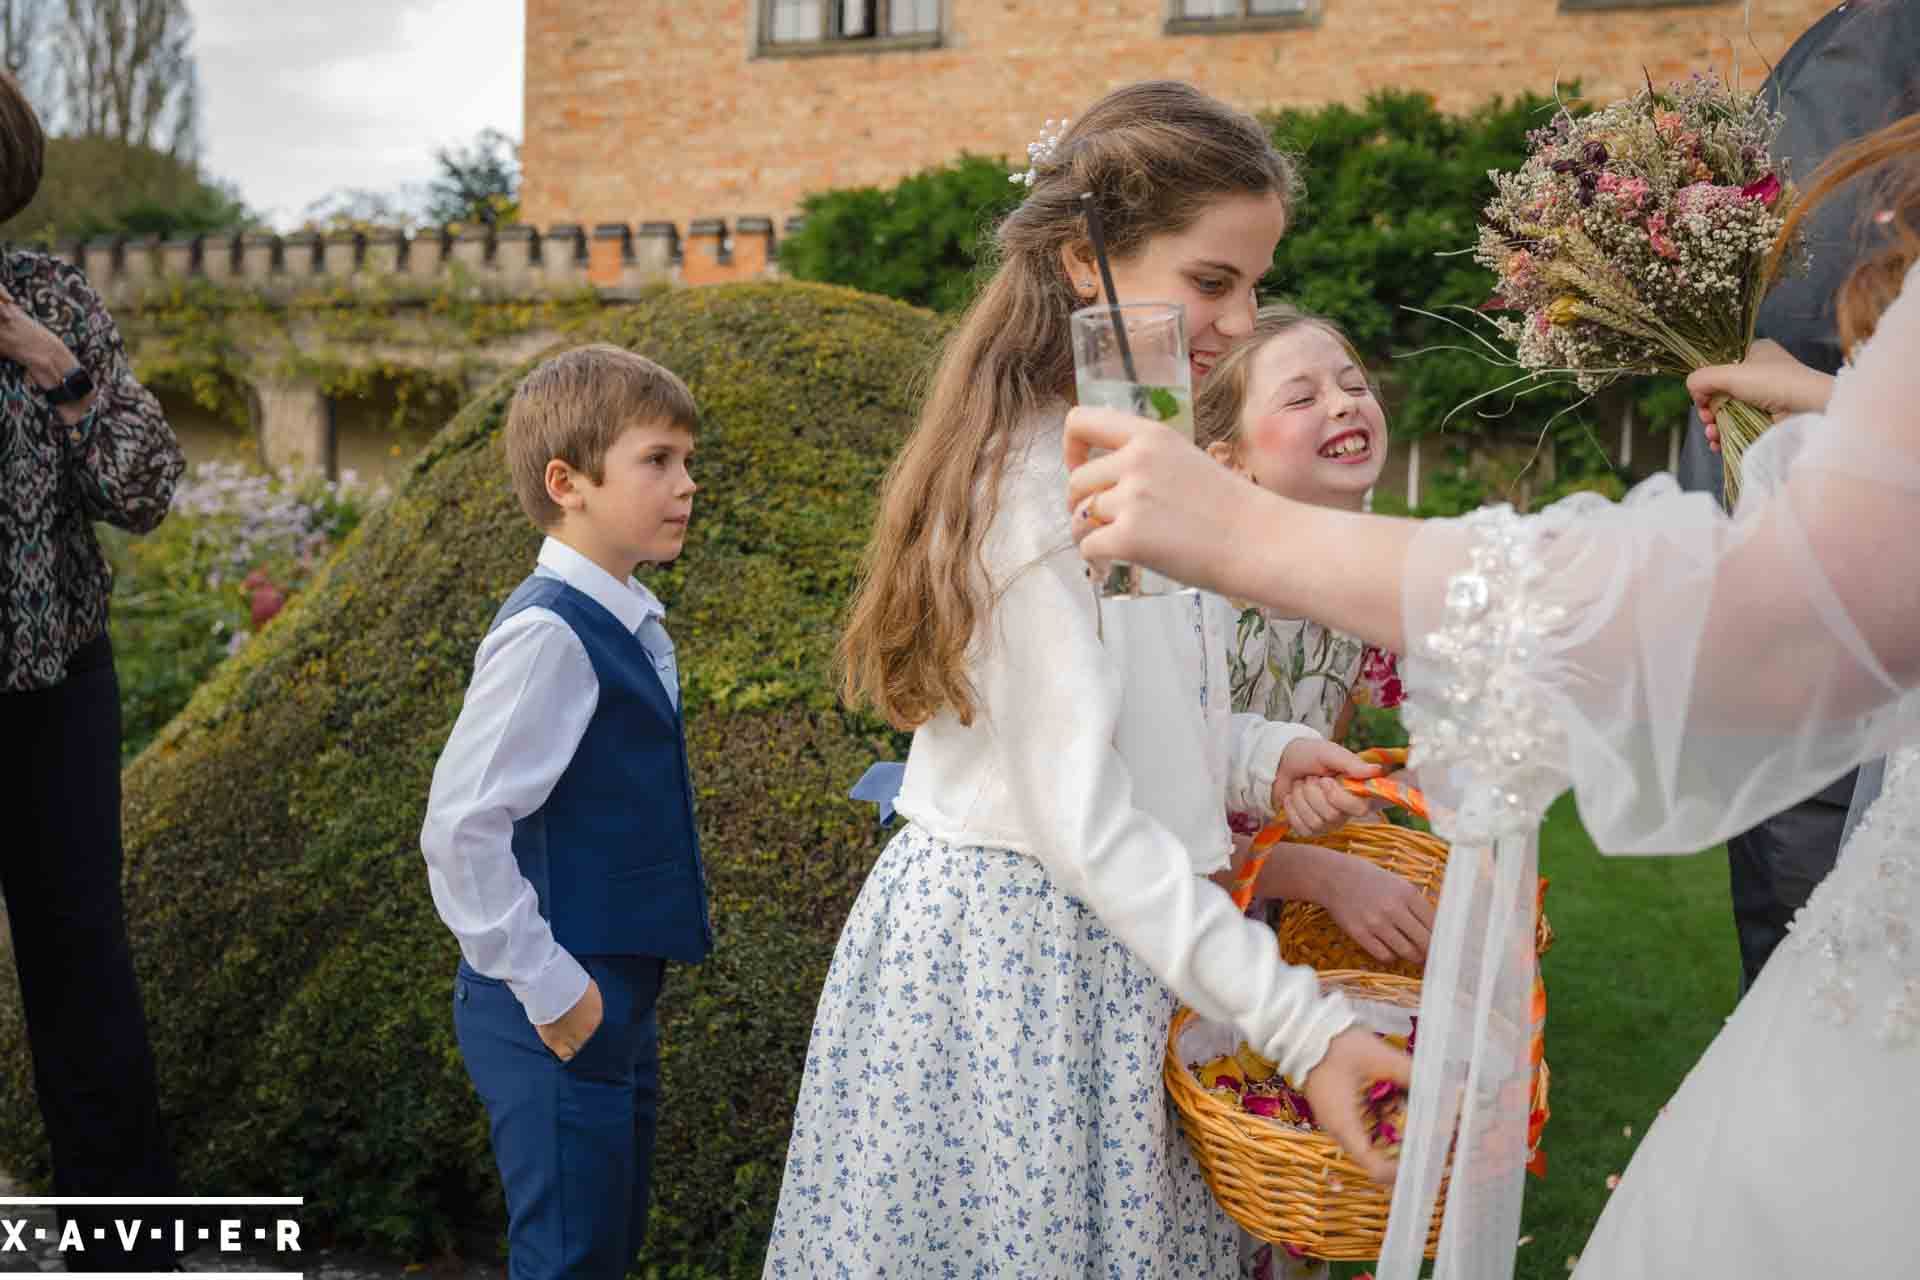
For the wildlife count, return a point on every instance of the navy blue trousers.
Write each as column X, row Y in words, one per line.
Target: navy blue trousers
column 573, row 1140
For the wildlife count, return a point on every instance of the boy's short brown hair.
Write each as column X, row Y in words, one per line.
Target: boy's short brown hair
column 573, row 406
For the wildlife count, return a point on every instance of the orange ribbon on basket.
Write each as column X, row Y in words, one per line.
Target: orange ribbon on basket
column 1538, row 1111
column 1394, row 793
column 1403, row 796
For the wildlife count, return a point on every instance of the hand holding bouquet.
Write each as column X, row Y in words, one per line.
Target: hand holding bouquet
column 1637, row 239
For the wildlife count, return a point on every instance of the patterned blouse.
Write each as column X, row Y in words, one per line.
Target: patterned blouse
column 1296, row 670
column 119, row 464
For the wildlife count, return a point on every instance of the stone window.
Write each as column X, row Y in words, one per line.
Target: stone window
column 1201, row 17
column 847, row 26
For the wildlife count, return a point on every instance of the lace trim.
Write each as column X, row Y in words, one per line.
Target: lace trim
column 1480, row 711
column 1206, row 650
column 1856, row 920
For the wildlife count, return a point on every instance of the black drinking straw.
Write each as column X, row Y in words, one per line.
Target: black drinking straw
column 1095, row 234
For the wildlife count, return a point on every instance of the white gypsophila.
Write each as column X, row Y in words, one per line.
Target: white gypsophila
column 249, row 516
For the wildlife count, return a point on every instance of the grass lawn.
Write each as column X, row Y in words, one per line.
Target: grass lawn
column 1642, row 974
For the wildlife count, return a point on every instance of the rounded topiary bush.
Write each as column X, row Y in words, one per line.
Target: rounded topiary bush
column 297, row 980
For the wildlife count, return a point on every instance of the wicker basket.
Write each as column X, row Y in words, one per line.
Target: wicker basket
column 1293, row 1187
column 1309, row 936
column 1285, row 1185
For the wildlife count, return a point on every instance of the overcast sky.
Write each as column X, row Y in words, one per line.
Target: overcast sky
column 300, row 98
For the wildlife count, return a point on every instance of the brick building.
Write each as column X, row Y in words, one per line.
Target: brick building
column 651, row 111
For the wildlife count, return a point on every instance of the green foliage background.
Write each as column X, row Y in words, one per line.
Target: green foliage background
column 97, row 186
column 1394, row 190
column 296, row 976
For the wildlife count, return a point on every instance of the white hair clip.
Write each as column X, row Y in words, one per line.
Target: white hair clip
column 1040, row 152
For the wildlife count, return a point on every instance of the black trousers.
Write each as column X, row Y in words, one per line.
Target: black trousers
column 1774, row 869
column 92, row 1064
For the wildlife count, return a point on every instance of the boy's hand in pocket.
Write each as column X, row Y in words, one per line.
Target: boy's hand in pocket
column 572, row 1029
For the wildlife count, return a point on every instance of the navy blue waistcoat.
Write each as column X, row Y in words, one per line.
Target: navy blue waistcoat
column 614, row 854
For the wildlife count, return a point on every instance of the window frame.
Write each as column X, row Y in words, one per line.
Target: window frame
column 828, row 45
column 1179, row 24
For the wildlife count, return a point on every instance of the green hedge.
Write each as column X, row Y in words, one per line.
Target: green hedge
column 920, row 240
column 1394, row 190
column 296, row 977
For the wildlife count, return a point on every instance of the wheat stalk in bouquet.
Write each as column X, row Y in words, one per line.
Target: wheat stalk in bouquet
column 1635, row 240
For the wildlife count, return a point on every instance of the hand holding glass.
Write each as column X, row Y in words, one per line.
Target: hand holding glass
column 1133, row 357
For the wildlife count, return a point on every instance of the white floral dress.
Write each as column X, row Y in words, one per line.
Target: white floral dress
column 982, row 1097
column 981, row 1035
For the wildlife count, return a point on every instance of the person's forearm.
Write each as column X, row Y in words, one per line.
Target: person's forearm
column 1297, row 873
column 1343, row 569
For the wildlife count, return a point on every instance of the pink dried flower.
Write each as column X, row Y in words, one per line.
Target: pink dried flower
column 1766, row 190
column 1657, row 237
column 1519, row 269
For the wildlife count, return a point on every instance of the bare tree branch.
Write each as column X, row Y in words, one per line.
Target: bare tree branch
column 127, row 72
column 26, row 28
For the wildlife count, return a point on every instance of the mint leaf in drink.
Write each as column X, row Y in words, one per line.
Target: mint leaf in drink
column 1165, row 406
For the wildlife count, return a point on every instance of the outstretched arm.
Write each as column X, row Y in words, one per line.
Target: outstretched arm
column 1687, row 673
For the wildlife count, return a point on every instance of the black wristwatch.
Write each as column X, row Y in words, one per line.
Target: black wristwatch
column 77, row 385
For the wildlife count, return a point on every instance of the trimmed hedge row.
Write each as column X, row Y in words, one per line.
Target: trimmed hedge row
column 297, row 979
column 1394, row 192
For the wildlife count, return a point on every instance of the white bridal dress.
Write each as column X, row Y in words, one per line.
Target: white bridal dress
column 1687, row 675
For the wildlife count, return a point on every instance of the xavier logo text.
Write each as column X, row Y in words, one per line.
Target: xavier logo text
column 229, row 1235
column 93, row 1233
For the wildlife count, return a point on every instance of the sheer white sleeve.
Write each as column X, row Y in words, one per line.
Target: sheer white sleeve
column 1685, row 674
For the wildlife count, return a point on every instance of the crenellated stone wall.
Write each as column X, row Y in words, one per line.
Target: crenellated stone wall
column 515, row 260
column 276, row 308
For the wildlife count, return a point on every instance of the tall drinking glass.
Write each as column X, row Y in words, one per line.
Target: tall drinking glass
column 1133, row 357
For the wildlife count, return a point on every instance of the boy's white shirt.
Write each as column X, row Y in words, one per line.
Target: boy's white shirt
column 532, row 696
column 1091, row 752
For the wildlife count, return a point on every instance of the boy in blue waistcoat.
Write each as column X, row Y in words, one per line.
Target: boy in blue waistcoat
column 559, row 837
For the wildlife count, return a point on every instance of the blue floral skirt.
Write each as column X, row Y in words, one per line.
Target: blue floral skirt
column 982, row 1096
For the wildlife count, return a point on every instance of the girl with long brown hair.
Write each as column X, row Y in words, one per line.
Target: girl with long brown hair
column 1685, row 673
column 982, row 1095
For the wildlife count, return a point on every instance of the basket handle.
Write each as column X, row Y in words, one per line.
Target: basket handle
column 1394, row 793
